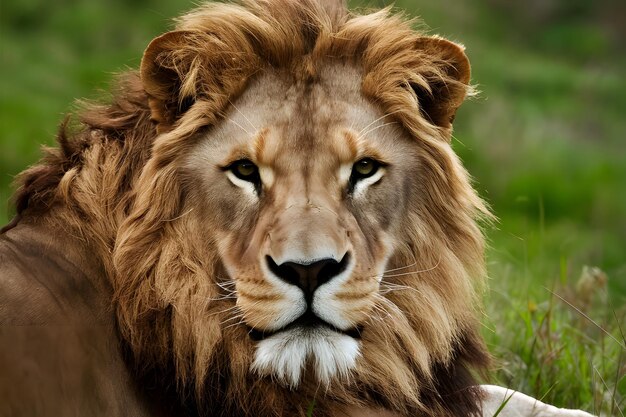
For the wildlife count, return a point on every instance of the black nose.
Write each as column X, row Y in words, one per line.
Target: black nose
column 311, row 276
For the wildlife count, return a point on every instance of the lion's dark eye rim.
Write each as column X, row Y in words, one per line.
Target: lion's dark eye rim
column 246, row 170
column 364, row 168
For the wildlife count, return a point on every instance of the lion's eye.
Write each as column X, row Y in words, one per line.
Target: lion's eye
column 364, row 168
column 245, row 170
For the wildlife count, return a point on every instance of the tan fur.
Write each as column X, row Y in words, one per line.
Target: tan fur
column 290, row 78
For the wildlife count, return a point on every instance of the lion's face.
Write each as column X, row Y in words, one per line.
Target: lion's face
column 305, row 187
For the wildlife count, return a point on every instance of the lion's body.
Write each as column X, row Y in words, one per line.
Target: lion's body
column 175, row 273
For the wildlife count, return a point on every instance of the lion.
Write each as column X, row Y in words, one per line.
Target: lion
column 267, row 220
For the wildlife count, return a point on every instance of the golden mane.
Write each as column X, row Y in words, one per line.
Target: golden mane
column 87, row 180
column 116, row 182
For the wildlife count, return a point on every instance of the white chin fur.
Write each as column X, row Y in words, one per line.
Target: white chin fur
column 283, row 355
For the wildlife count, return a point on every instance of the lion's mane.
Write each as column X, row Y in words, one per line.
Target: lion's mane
column 116, row 182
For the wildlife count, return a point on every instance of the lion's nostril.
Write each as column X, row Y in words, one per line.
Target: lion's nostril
column 330, row 269
column 284, row 271
column 308, row 276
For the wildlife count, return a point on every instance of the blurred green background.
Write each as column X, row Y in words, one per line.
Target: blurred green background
column 544, row 140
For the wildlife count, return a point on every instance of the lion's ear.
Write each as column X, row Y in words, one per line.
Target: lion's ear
column 445, row 80
column 165, row 74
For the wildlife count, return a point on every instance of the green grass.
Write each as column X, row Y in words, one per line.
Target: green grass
column 551, row 340
column 544, row 141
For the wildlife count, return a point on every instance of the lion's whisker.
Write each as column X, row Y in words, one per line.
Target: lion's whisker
column 380, row 118
column 386, row 275
column 236, row 317
column 376, row 128
column 401, row 267
column 234, row 324
column 382, row 313
column 241, row 315
column 244, row 116
column 225, row 310
column 226, row 297
column 223, row 285
column 377, row 307
column 229, row 288
column 238, row 125
column 389, row 289
column 225, row 280
column 414, row 272
column 233, row 307
column 390, row 304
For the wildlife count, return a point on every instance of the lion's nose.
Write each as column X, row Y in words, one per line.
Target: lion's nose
column 309, row 276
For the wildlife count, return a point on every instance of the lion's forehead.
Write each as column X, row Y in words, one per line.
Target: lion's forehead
column 278, row 119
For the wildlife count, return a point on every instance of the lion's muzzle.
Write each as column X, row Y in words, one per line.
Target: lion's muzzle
column 307, row 258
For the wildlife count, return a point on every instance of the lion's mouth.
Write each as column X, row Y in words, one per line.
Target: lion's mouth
column 307, row 321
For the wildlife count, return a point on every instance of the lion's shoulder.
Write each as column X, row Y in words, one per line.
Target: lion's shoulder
column 59, row 351
column 38, row 283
